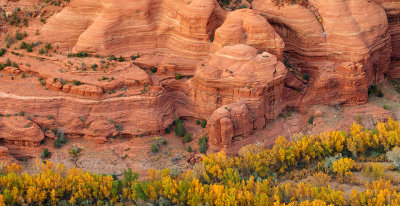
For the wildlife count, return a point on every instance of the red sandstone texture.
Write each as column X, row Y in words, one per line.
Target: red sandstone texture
column 237, row 69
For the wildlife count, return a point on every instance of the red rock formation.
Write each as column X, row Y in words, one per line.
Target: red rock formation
column 322, row 36
column 169, row 28
column 245, row 26
column 232, row 74
column 20, row 131
column 392, row 8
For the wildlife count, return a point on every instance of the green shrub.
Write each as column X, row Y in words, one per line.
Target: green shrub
column 178, row 76
column 203, row 144
column 63, row 139
column 203, row 123
column 2, row 52
column 188, row 137
column 57, row 143
column 76, row 82
column 180, row 130
column 18, row 35
column 153, row 70
column 198, row 122
column 311, row 119
column 112, row 57
column 306, row 77
column 189, row 149
column 45, row 153
column 134, row 57
column 121, row 59
column 154, row 147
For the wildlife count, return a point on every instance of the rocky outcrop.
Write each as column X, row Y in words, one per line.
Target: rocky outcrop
column 20, row 131
column 5, row 157
column 322, row 36
column 392, row 9
column 238, row 74
column 172, row 28
column 245, row 26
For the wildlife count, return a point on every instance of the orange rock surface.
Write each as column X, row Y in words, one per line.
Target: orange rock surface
column 238, row 69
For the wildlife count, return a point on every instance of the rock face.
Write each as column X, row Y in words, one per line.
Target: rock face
column 245, row 26
column 392, row 9
column 323, row 36
column 238, row 74
column 20, row 131
column 171, row 28
column 191, row 59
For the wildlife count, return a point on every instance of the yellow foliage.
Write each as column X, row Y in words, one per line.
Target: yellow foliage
column 343, row 166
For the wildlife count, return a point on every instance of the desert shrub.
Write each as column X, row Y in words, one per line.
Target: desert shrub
column 320, row 179
column 121, row 59
column 343, row 167
column 76, row 82
column 112, row 57
column 374, row 171
column 118, row 127
column 311, row 119
column 29, row 47
column 178, row 76
column 153, row 70
column 394, row 156
column 198, row 122
column 306, row 77
column 180, row 130
column 154, row 147
column 203, row 144
column 134, row 57
column 189, row 149
column 157, row 142
column 203, row 123
column 57, row 143
column 63, row 138
column 188, row 137
column 18, row 35
column 23, row 45
column 2, row 52
column 45, row 153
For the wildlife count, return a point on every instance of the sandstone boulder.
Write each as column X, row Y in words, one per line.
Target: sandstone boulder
column 86, row 90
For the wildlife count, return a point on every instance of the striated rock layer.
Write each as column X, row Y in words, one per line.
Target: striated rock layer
column 171, row 28
column 238, row 74
column 324, row 35
column 392, row 9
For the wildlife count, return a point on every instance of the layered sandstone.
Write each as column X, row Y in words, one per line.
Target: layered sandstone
column 20, row 131
column 392, row 9
column 245, row 26
column 238, row 74
column 168, row 28
column 322, row 36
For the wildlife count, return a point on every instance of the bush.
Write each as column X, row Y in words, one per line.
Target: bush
column 328, row 163
column 189, row 149
column 2, row 52
column 153, row 70
column 29, row 47
column 343, row 167
column 154, row 147
column 394, row 156
column 45, row 153
column 311, row 119
column 203, row 144
column 320, row 179
column 112, row 57
column 18, row 35
column 121, row 59
column 203, row 123
column 76, row 82
column 180, row 130
column 187, row 138
column 306, row 77
column 63, row 139
column 57, row 143
column 134, row 57
column 374, row 171
column 178, row 76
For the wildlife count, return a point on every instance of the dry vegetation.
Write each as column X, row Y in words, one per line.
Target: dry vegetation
column 256, row 177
